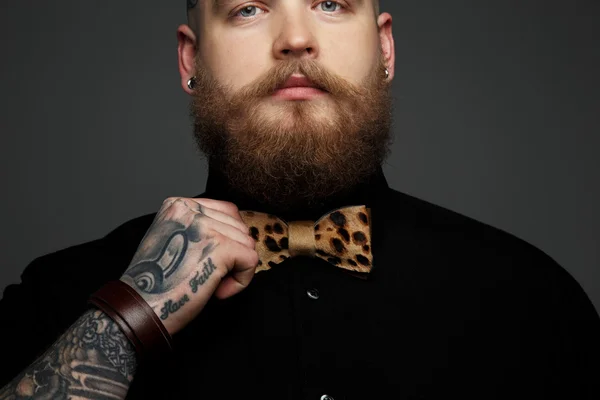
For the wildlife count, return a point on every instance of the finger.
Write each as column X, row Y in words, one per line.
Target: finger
column 224, row 218
column 232, row 285
column 176, row 206
column 218, row 214
column 225, row 207
column 204, row 224
column 240, row 276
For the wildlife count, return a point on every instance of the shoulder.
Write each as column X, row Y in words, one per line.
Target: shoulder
column 443, row 225
column 477, row 250
column 91, row 263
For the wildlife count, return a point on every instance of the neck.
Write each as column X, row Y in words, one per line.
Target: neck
column 367, row 192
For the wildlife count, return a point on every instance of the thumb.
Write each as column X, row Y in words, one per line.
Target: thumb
column 235, row 282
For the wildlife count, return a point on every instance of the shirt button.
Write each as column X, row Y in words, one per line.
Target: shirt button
column 326, row 397
column 314, row 294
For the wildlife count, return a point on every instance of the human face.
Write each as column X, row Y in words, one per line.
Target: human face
column 290, row 147
column 239, row 41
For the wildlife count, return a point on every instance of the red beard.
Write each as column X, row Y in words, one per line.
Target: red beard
column 290, row 157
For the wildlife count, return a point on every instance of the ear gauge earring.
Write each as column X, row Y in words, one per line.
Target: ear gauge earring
column 387, row 74
column 191, row 83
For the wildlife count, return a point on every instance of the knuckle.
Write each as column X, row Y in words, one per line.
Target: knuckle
column 200, row 220
column 169, row 200
column 217, row 237
column 173, row 202
column 179, row 202
column 166, row 204
column 231, row 207
column 254, row 257
column 245, row 228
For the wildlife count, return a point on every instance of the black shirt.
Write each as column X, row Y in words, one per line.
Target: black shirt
column 453, row 308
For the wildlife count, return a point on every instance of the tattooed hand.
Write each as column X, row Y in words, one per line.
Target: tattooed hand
column 194, row 248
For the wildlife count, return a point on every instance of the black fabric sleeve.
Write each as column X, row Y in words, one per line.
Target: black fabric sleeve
column 575, row 343
column 54, row 291
column 52, row 294
column 26, row 330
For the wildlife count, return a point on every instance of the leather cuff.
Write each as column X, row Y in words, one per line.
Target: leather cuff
column 136, row 319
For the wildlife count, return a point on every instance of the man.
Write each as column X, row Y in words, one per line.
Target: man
column 298, row 273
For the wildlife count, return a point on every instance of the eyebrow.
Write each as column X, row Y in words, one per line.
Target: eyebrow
column 220, row 4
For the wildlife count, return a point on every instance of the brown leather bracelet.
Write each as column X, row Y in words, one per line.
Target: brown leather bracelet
column 136, row 319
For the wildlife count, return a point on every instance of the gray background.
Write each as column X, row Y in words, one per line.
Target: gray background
column 496, row 117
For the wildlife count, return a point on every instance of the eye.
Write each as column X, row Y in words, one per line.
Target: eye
column 249, row 11
column 330, row 6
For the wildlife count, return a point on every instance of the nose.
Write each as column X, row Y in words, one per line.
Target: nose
column 295, row 39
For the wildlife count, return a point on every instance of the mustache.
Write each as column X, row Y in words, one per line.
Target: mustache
column 278, row 75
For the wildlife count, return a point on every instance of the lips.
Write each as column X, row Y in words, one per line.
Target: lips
column 299, row 81
column 298, row 87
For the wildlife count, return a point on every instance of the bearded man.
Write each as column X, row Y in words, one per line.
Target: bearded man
column 298, row 273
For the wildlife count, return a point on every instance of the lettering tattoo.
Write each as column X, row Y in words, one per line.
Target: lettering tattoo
column 198, row 280
column 172, row 307
column 92, row 360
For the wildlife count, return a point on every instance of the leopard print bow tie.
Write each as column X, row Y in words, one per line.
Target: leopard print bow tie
column 342, row 237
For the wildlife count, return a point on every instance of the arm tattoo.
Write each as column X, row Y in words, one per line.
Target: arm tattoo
column 92, row 360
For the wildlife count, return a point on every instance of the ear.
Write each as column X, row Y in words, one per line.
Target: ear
column 384, row 22
column 186, row 49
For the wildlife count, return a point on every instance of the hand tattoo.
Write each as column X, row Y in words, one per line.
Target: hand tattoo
column 160, row 263
column 172, row 307
column 198, row 280
column 150, row 276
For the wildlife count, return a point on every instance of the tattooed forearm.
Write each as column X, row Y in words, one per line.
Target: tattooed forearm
column 92, row 360
column 199, row 279
column 172, row 307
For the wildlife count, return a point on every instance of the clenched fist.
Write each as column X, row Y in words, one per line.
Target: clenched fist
column 194, row 248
